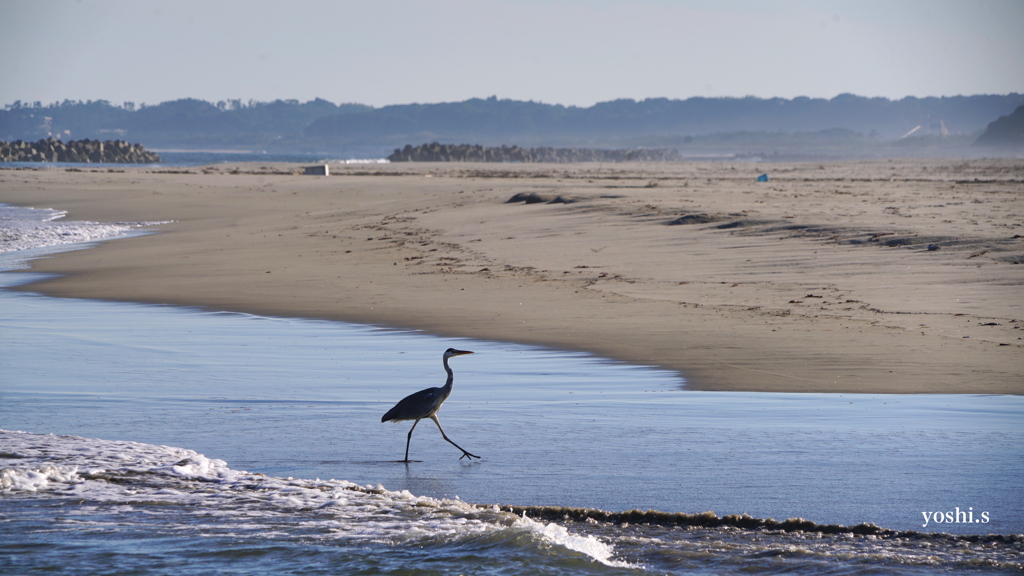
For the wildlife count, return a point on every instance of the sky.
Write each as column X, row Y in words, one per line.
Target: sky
column 569, row 52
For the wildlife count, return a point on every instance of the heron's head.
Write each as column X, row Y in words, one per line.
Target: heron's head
column 452, row 352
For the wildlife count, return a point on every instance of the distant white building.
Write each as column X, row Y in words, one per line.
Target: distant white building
column 932, row 127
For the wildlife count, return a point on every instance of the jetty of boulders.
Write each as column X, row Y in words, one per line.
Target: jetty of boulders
column 93, row 151
column 436, row 152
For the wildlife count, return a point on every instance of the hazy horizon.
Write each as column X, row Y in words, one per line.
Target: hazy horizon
column 566, row 52
column 246, row 101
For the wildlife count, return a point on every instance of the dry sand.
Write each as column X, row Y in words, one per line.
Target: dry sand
column 819, row 280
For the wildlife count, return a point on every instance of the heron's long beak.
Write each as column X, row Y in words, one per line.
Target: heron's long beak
column 461, row 352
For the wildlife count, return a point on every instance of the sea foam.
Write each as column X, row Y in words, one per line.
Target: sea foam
column 30, row 228
column 133, row 474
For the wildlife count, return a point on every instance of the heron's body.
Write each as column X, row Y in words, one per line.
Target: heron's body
column 425, row 404
column 422, row 404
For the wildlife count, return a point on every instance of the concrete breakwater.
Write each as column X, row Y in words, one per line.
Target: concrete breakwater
column 436, row 152
column 53, row 150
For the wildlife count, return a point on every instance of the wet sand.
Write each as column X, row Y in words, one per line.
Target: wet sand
column 819, row 280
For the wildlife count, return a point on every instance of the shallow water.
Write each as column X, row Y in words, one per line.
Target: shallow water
column 303, row 399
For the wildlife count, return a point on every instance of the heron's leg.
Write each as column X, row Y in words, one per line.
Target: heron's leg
column 409, row 439
column 445, row 436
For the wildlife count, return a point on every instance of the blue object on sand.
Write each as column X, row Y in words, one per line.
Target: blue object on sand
column 762, row 178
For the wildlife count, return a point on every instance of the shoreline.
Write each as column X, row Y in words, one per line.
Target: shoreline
column 782, row 286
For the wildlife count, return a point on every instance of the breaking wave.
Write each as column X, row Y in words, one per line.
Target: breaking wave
column 33, row 228
column 120, row 473
column 220, row 514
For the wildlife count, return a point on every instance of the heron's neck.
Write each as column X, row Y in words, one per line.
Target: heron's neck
column 451, row 376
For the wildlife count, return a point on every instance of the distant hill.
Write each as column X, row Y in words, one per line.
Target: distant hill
column 1005, row 131
column 844, row 123
column 494, row 121
column 187, row 123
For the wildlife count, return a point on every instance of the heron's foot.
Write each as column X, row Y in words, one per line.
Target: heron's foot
column 468, row 455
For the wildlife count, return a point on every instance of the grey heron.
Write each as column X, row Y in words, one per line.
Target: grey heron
column 425, row 404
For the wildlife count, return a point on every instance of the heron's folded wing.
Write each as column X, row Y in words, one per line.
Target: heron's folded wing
column 413, row 406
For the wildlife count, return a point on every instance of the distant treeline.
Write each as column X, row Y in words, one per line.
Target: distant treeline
column 494, row 122
column 319, row 125
column 186, row 123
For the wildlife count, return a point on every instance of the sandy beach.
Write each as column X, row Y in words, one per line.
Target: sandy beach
column 897, row 276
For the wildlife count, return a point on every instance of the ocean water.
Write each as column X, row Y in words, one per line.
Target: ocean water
column 149, row 439
column 186, row 158
column 354, row 155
